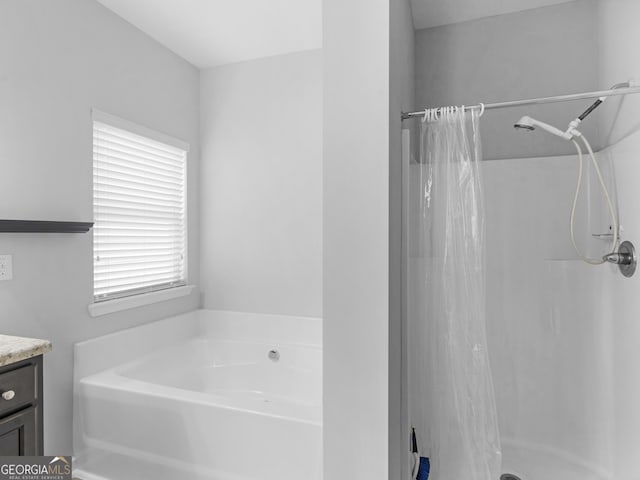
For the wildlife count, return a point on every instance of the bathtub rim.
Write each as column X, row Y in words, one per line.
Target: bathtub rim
column 195, row 323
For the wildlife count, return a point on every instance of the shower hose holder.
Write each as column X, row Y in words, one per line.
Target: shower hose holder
column 625, row 258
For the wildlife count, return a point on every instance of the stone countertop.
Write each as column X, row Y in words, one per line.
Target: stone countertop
column 14, row 349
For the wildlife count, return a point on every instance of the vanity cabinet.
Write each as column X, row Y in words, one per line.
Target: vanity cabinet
column 21, row 408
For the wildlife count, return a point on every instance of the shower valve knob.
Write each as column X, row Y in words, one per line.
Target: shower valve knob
column 619, row 258
column 625, row 258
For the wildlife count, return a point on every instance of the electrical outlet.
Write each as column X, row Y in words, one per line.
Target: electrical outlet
column 6, row 267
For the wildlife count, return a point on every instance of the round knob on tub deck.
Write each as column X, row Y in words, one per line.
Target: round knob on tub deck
column 274, row 355
column 8, row 395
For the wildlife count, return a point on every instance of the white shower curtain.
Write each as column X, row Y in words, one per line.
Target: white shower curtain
column 455, row 415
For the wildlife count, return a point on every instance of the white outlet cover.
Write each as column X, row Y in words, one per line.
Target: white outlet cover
column 6, row 267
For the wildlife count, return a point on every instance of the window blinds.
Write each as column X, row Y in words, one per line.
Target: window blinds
column 139, row 237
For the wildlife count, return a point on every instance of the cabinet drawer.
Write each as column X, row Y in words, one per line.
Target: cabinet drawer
column 22, row 383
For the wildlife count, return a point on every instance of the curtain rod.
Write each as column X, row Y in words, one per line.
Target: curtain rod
column 542, row 100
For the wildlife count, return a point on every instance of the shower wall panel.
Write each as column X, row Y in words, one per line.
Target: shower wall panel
column 624, row 322
column 549, row 314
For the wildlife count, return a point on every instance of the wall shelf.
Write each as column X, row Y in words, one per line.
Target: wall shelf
column 41, row 226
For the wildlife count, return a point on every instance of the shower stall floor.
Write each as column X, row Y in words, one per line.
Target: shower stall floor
column 532, row 462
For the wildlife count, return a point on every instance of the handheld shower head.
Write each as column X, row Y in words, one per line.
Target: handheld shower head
column 528, row 124
column 524, row 124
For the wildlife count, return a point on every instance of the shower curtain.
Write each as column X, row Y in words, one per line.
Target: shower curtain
column 455, row 418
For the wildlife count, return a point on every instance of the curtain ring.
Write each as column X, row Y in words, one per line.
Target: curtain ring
column 481, row 109
column 426, row 111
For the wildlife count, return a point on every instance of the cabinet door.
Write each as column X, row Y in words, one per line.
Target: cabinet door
column 18, row 433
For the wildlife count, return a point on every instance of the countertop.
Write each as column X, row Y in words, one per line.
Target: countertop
column 14, row 349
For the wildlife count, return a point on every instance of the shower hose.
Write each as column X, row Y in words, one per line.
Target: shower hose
column 614, row 219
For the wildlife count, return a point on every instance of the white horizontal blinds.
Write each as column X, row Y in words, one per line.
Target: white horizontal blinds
column 139, row 237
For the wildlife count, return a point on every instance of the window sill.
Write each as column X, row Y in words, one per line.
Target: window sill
column 134, row 301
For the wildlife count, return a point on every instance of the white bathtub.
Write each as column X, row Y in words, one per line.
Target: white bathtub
column 197, row 396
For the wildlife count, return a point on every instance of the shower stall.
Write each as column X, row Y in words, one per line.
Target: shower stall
column 520, row 303
column 477, row 289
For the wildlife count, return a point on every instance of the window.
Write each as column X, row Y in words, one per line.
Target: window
column 139, row 197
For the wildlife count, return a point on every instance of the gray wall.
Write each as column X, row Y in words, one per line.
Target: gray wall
column 535, row 53
column 401, row 98
column 60, row 59
column 619, row 61
column 261, row 185
column 356, row 239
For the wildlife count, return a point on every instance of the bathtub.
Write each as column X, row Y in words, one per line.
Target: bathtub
column 208, row 395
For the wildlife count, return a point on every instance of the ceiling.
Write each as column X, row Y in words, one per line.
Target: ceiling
column 209, row 33
column 214, row 32
column 432, row 13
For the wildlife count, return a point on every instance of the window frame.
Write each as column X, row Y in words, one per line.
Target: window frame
column 136, row 299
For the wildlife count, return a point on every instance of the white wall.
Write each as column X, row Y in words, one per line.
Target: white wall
column 356, row 239
column 536, row 53
column 60, row 59
column 261, row 185
column 401, row 89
